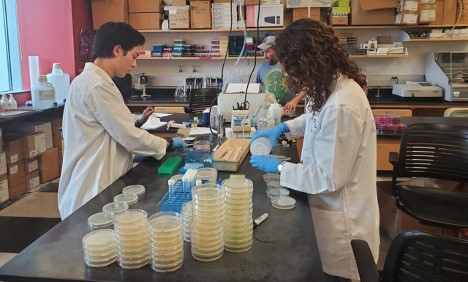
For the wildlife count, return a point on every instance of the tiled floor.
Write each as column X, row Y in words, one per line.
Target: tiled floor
column 38, row 210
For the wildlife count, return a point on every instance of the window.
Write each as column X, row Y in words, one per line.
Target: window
column 10, row 70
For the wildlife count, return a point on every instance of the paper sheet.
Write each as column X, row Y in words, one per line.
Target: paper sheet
column 153, row 123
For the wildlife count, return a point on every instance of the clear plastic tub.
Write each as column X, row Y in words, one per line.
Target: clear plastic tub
column 261, row 146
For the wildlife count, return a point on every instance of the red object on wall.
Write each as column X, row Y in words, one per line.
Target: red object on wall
column 50, row 29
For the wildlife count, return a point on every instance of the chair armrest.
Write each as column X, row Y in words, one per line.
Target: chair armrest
column 393, row 158
column 365, row 261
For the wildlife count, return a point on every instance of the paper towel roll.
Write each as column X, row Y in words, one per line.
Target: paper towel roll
column 33, row 70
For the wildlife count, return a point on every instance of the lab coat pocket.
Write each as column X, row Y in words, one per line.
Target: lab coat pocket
column 330, row 230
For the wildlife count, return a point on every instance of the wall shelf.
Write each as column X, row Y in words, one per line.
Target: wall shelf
column 389, row 56
column 347, row 27
column 261, row 58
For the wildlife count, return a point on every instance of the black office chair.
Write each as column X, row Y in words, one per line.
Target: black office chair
column 200, row 99
column 434, row 151
column 415, row 256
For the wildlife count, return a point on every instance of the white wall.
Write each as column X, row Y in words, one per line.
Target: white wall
column 379, row 71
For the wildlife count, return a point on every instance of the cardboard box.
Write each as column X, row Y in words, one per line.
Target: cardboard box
column 392, row 219
column 303, row 13
column 179, row 17
column 370, row 12
column 144, row 6
column 179, row 2
column 32, row 126
column 34, row 145
column 270, row 15
column 49, row 165
column 446, row 12
column 145, row 20
column 13, row 148
column 262, row 2
column 3, row 164
column 31, row 165
column 427, row 13
column 4, row 193
column 407, row 18
column 1, row 140
column 32, row 180
column 17, row 184
column 15, row 168
column 200, row 14
column 464, row 15
column 339, row 19
column 308, row 3
column 108, row 10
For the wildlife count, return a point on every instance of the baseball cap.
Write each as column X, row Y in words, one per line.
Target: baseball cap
column 267, row 43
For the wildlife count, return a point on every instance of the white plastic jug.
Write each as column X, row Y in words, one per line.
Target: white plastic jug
column 276, row 112
column 43, row 94
column 60, row 81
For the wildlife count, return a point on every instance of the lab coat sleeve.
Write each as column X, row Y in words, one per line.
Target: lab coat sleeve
column 296, row 127
column 336, row 148
column 110, row 110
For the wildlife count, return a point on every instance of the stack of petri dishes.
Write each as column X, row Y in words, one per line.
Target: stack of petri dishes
column 283, row 202
column 207, row 175
column 99, row 248
column 208, row 213
column 167, row 243
column 136, row 189
column 115, row 208
column 100, row 220
column 187, row 219
column 131, row 230
column 238, row 225
column 128, row 198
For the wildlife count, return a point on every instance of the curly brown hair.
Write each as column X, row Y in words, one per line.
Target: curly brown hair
column 313, row 58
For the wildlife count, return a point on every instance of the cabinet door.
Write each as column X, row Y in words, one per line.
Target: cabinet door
column 384, row 147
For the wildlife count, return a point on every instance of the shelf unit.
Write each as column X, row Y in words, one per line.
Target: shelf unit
column 261, row 58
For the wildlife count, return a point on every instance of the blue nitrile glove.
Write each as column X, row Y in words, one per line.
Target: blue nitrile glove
column 178, row 143
column 265, row 163
column 271, row 133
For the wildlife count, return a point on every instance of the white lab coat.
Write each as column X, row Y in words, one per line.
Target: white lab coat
column 338, row 171
column 99, row 138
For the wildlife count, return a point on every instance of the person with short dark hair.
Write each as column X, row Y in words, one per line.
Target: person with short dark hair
column 338, row 160
column 99, row 133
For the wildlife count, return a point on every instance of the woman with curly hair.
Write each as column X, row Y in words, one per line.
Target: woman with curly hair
column 338, row 160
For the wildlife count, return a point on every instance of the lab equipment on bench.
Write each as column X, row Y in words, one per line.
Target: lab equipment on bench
column 234, row 97
column 449, row 70
column 417, row 90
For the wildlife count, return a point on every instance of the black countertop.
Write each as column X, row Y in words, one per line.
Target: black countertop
column 284, row 247
column 157, row 95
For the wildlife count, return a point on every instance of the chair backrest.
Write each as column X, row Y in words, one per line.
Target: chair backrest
column 419, row 256
column 456, row 112
column 200, row 99
column 433, row 150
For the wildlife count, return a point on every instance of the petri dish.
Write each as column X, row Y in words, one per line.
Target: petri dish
column 283, row 202
column 129, row 198
column 115, row 208
column 102, row 238
column 100, row 220
column 260, row 146
column 137, row 189
column 273, row 184
column 271, row 176
column 275, row 192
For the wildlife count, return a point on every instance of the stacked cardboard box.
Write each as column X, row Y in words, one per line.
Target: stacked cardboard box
column 15, row 166
column 340, row 12
column 144, row 14
column 408, row 13
column 221, row 15
column 109, row 10
column 304, row 13
column 4, row 193
column 370, row 12
column 49, row 165
column 200, row 14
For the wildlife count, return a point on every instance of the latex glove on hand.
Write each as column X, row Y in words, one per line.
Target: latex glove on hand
column 146, row 114
column 265, row 163
column 271, row 133
column 178, row 143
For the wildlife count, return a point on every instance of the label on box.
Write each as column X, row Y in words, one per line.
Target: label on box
column 33, row 166
column 33, row 153
column 13, row 169
column 4, row 193
column 39, row 142
column 427, row 15
column 34, row 182
column 410, row 5
column 14, row 158
column 3, row 166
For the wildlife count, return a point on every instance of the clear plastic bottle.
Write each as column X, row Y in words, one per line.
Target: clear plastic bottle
column 4, row 103
column 43, row 94
column 12, row 105
column 60, row 81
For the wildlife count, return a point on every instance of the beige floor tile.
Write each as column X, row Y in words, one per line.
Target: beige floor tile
column 36, row 204
column 5, row 257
